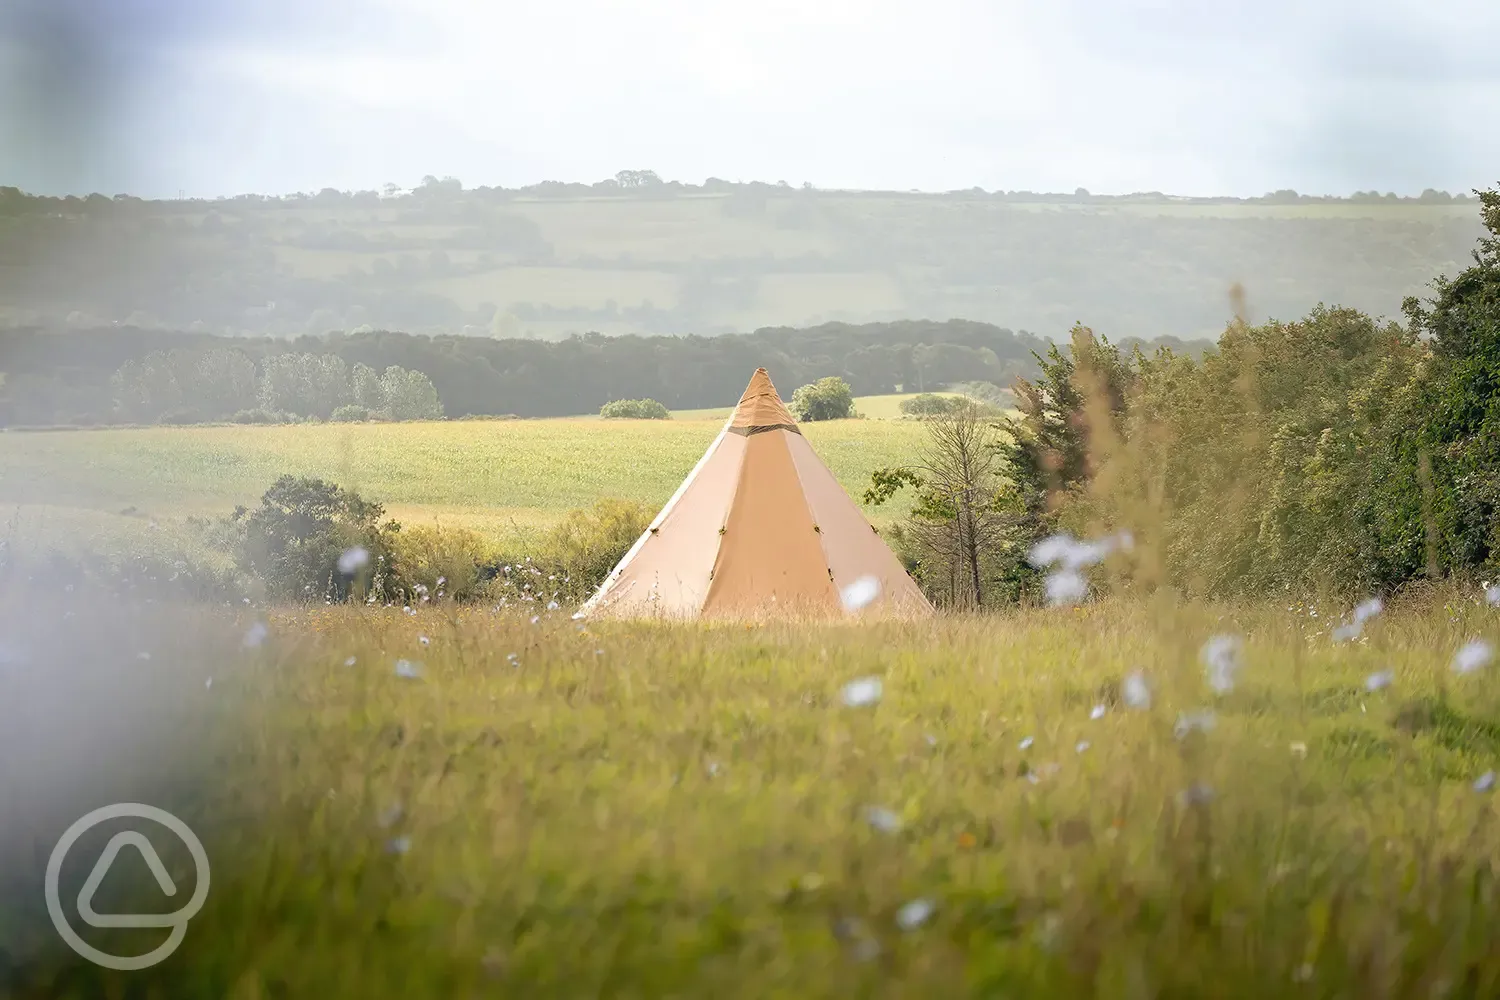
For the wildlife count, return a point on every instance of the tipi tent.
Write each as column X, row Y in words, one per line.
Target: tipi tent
column 759, row 528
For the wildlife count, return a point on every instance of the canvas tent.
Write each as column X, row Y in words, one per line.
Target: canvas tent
column 760, row 528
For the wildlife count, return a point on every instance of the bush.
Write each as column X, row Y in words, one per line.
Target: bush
column 634, row 409
column 258, row 416
column 930, row 404
column 293, row 541
column 434, row 563
column 826, row 399
column 350, row 413
column 588, row 543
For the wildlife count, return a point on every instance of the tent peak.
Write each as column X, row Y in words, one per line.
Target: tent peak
column 761, row 408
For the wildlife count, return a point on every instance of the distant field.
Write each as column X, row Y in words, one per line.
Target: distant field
column 109, row 488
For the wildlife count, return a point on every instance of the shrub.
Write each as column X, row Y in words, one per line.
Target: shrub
column 181, row 417
column 930, row 404
column 293, row 541
column 826, row 399
column 350, row 413
column 436, row 563
column 258, row 416
column 588, row 543
column 635, row 409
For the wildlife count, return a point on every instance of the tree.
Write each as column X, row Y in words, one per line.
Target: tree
column 312, row 385
column 294, row 540
column 958, row 531
column 366, row 389
column 826, row 399
column 409, row 395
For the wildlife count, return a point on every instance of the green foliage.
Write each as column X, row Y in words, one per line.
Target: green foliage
column 294, row 539
column 308, row 384
column 409, row 395
column 930, row 404
column 826, row 399
column 587, row 544
column 349, row 413
column 634, row 409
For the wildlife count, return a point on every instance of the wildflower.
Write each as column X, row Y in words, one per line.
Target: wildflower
column 860, row 593
column 1474, row 655
column 552, row 605
column 513, row 659
column 1136, row 691
column 862, row 692
column 1026, row 743
column 1363, row 612
column 406, row 609
column 350, row 661
column 208, row 684
column 1484, row 782
column 352, row 560
column 408, row 669
column 1082, row 746
column 1097, row 712
column 1492, row 595
column 442, row 580
column 1379, row 680
column 1298, row 748
column 1197, row 794
column 967, row 840
column 578, row 616
column 914, row 914
column 882, row 819
column 256, row 635
column 1066, row 586
column 712, row 769
column 399, row 845
column 1221, row 658
column 535, row 619
column 424, row 640
column 1198, row 721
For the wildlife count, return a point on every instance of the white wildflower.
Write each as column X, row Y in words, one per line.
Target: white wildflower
column 399, row 845
column 408, row 668
column 1097, row 712
column 882, row 819
column 860, row 593
column 424, row 640
column 256, row 635
column 1221, row 659
column 535, row 619
column 1474, row 655
column 1136, row 691
column 1026, row 743
column 208, row 684
column 1198, row 721
column 862, row 692
column 552, row 605
column 1484, row 782
column 353, row 560
column 914, row 914
column 1082, row 746
column 578, row 616
column 1065, row 586
column 1492, row 594
column 351, row 661
column 1380, row 680
column 1197, row 794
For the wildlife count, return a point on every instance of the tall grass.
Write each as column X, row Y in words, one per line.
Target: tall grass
column 634, row 810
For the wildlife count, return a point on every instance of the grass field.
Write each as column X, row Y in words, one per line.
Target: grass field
column 636, row 811
column 128, row 488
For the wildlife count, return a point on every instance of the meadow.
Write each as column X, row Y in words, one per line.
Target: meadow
column 560, row 809
column 124, row 489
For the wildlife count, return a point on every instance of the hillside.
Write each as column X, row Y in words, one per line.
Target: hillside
column 649, row 257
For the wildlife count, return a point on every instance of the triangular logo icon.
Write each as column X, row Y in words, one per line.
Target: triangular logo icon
column 101, row 869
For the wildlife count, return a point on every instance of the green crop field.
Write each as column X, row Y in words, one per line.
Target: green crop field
column 124, row 488
column 549, row 810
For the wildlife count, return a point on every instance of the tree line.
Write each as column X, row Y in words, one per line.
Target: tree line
column 1336, row 454
column 100, row 376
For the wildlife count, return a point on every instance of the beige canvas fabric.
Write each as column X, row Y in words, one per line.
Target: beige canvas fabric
column 759, row 529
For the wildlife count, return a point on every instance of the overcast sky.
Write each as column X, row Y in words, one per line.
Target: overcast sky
column 1184, row 96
